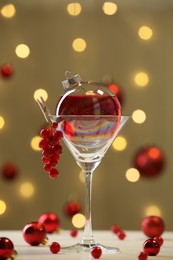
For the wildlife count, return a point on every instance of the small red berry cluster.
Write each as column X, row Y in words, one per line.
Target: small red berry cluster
column 51, row 148
column 116, row 229
column 151, row 247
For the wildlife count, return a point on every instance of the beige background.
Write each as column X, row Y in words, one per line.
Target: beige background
column 114, row 50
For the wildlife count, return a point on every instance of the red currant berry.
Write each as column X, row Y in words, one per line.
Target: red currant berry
column 73, row 232
column 45, row 133
column 58, row 135
column 47, row 167
column 45, row 160
column 116, row 228
column 121, row 235
column 96, row 252
column 57, row 148
column 54, row 125
column 43, row 143
column 47, row 152
column 55, row 247
column 151, row 247
column 53, row 173
column 159, row 240
column 142, row 256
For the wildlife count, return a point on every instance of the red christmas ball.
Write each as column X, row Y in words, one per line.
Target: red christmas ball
column 71, row 208
column 153, row 226
column 117, row 91
column 6, row 70
column 9, row 171
column 149, row 161
column 34, row 233
column 50, row 221
column 151, row 247
column 6, row 248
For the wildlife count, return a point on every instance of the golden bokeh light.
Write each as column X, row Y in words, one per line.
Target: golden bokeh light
column 78, row 220
column 139, row 116
column 120, row 143
column 22, row 51
column 3, row 207
column 27, row 190
column 74, row 9
column 35, row 143
column 145, row 33
column 153, row 210
column 109, row 8
column 132, row 175
column 8, row 11
column 2, row 122
column 141, row 79
column 40, row 93
column 79, row 45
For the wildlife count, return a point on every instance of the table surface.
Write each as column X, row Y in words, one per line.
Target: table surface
column 130, row 247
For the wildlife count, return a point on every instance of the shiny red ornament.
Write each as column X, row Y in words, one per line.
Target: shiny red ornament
column 6, row 70
column 9, row 171
column 117, row 91
column 55, row 247
column 152, row 226
column 160, row 240
column 71, row 208
column 50, row 221
column 6, row 248
column 151, row 247
column 34, row 233
column 96, row 252
column 149, row 161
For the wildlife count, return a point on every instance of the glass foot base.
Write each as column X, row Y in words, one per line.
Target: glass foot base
column 82, row 248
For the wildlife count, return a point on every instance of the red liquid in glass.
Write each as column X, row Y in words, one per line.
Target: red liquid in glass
column 89, row 105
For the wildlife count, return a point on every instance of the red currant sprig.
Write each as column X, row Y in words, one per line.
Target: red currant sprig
column 51, row 149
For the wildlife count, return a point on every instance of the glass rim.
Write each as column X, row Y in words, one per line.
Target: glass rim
column 89, row 116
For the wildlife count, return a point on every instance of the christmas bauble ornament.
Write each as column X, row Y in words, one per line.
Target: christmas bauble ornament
column 72, row 207
column 160, row 240
column 142, row 256
column 6, row 70
column 151, row 247
column 86, row 98
column 152, row 226
column 34, row 233
column 9, row 171
column 149, row 161
column 50, row 221
column 6, row 248
column 117, row 91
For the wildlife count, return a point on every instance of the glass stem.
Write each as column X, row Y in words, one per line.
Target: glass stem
column 88, row 239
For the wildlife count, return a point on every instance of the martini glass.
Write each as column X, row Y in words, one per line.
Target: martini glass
column 88, row 138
